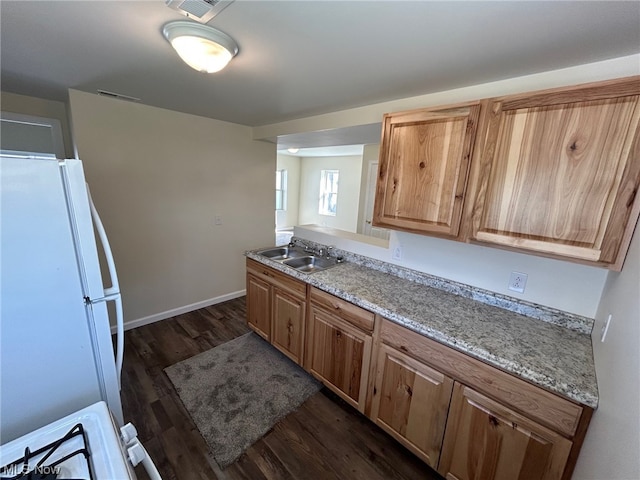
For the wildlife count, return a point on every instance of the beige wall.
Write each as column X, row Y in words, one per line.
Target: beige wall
column 159, row 178
column 289, row 217
column 346, row 217
column 39, row 107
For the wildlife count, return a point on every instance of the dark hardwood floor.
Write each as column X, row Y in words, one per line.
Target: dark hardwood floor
column 324, row 439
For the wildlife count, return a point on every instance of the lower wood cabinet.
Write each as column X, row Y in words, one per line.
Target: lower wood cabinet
column 487, row 440
column 337, row 351
column 410, row 402
column 287, row 325
column 468, row 420
column 259, row 306
column 276, row 308
column 463, row 417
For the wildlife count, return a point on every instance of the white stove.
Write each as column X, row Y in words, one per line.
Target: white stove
column 85, row 445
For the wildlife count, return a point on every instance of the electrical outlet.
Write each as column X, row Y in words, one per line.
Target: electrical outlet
column 397, row 253
column 605, row 329
column 518, row 281
column 217, row 220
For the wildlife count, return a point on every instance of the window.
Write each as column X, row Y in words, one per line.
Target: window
column 328, row 192
column 27, row 135
column 281, row 189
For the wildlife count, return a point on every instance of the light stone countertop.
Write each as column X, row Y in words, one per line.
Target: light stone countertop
column 545, row 352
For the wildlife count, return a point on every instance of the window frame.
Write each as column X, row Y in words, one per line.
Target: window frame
column 328, row 191
column 281, row 193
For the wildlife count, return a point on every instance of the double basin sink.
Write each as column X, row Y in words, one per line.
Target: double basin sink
column 299, row 259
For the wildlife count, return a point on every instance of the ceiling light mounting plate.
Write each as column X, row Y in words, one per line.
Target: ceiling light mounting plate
column 199, row 10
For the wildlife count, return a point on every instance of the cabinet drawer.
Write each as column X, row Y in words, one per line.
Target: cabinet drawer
column 347, row 311
column 290, row 284
column 544, row 407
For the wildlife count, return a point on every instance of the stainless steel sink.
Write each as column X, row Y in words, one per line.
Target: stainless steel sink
column 300, row 258
column 310, row 264
column 283, row 253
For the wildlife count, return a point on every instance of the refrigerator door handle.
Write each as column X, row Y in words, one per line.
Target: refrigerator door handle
column 111, row 293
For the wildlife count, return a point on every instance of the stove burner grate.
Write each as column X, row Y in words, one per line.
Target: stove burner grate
column 19, row 469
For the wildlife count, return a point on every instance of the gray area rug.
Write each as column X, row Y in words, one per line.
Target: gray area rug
column 237, row 391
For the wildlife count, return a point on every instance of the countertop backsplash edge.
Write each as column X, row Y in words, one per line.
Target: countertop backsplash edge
column 561, row 318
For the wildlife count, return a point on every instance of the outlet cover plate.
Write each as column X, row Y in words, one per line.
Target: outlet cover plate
column 518, row 282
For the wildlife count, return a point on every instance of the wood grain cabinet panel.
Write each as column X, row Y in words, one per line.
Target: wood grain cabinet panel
column 560, row 173
column 287, row 331
column 276, row 308
column 485, row 440
column 259, row 306
column 424, row 161
column 338, row 354
column 410, row 402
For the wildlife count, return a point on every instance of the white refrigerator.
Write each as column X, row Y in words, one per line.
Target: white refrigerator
column 56, row 349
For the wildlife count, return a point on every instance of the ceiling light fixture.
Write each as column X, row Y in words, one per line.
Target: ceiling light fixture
column 201, row 47
column 293, row 150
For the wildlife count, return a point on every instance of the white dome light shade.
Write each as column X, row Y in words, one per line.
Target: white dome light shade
column 201, row 47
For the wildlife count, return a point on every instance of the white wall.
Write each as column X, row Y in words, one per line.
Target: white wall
column 346, row 217
column 289, row 217
column 563, row 285
column 612, row 447
column 158, row 178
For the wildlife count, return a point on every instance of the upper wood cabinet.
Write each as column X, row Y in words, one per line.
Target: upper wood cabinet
column 560, row 171
column 555, row 173
column 424, row 161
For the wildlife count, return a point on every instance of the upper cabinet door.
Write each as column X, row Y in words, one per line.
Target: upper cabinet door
column 560, row 172
column 424, row 162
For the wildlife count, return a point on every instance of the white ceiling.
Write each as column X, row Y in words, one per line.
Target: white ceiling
column 303, row 58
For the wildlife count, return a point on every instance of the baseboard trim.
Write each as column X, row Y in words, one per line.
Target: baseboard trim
column 178, row 311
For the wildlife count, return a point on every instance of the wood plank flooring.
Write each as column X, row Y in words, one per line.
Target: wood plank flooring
column 324, row 439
